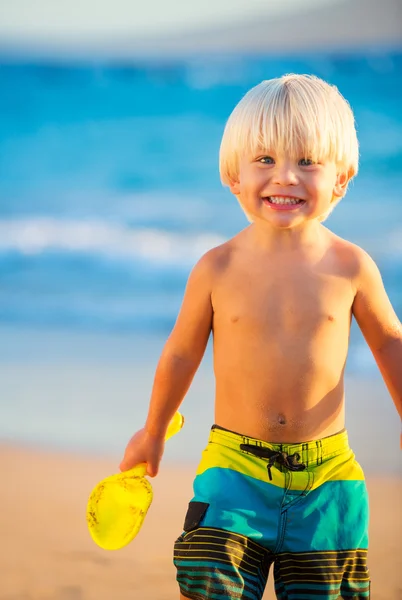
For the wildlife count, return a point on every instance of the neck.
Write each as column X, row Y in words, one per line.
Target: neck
column 287, row 240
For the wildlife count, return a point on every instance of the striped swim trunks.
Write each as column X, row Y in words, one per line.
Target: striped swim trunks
column 301, row 507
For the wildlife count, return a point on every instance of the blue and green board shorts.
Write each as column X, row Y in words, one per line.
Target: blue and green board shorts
column 301, row 507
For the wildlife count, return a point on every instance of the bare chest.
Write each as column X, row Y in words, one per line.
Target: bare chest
column 288, row 300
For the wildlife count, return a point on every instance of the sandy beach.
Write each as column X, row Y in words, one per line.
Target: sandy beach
column 47, row 553
column 76, row 399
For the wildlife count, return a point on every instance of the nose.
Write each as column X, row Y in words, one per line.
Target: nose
column 284, row 174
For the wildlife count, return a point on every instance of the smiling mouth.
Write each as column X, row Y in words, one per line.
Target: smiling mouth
column 283, row 201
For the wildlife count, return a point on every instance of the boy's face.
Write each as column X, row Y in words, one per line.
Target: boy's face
column 285, row 191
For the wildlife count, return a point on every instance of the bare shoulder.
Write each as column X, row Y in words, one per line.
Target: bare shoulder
column 372, row 308
column 218, row 259
column 355, row 262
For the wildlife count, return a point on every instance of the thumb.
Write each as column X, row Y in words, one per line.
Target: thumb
column 153, row 468
column 153, row 464
column 123, row 465
column 128, row 462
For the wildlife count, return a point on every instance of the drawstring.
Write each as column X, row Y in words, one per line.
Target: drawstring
column 290, row 461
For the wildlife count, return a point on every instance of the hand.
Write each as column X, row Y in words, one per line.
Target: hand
column 143, row 448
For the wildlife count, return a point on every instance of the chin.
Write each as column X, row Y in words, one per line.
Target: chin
column 286, row 223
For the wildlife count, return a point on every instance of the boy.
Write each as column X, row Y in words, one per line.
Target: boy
column 277, row 482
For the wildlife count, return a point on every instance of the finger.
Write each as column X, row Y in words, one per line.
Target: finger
column 152, row 468
column 126, row 464
column 151, row 471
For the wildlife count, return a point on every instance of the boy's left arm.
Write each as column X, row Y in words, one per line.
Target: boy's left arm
column 380, row 325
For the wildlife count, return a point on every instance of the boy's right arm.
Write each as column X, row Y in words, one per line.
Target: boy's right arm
column 177, row 366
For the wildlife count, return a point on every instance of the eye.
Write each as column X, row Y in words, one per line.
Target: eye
column 306, row 162
column 266, row 160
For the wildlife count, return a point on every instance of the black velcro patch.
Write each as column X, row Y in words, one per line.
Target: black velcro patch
column 195, row 513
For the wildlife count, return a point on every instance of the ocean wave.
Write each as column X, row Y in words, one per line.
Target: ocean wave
column 33, row 236
column 40, row 235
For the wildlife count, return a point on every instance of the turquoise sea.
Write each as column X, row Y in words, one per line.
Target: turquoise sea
column 109, row 188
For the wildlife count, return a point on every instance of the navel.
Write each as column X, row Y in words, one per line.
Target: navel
column 281, row 420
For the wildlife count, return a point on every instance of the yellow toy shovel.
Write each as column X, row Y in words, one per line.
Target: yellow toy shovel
column 118, row 505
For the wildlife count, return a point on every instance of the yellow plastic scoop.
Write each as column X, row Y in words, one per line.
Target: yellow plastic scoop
column 118, row 505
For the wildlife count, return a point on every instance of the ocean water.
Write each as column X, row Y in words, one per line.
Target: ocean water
column 110, row 192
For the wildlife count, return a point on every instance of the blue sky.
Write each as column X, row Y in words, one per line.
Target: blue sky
column 74, row 20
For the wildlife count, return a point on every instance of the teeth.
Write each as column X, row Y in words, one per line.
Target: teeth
column 282, row 200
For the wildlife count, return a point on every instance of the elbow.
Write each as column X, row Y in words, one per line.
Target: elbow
column 181, row 362
column 184, row 355
column 391, row 344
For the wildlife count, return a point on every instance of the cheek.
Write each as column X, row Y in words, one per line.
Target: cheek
column 252, row 179
column 244, row 185
column 323, row 187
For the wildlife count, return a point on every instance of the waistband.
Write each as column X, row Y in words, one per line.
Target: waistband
column 310, row 453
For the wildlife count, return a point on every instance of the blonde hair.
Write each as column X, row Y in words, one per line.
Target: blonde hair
column 298, row 115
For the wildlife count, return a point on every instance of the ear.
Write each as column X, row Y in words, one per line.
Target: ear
column 234, row 187
column 341, row 184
